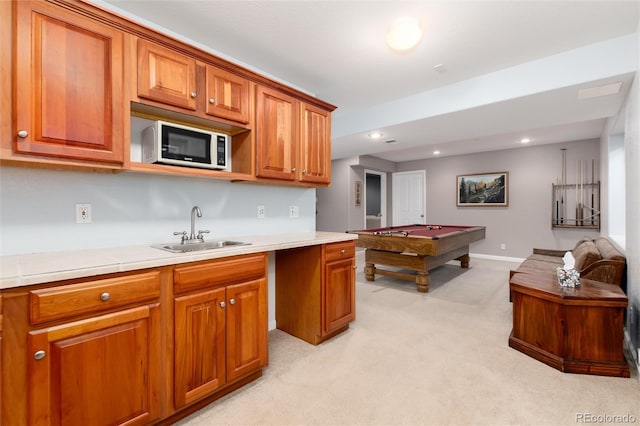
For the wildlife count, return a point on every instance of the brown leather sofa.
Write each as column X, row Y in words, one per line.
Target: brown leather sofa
column 597, row 260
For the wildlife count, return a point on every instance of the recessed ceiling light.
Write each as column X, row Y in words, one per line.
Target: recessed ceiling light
column 404, row 34
column 436, row 152
column 375, row 135
column 525, row 140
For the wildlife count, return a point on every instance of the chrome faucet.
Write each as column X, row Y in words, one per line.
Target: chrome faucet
column 193, row 238
column 194, row 211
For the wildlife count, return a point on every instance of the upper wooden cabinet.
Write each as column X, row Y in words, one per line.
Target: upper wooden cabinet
column 276, row 134
column 315, row 144
column 68, row 79
column 227, row 95
column 172, row 78
column 166, row 76
column 293, row 139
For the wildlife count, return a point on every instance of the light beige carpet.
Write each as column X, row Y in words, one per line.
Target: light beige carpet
column 439, row 358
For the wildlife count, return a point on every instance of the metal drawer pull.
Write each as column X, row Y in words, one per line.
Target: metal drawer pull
column 222, row 304
column 343, row 251
column 232, row 301
column 23, row 133
column 39, row 355
column 212, row 101
column 193, row 94
column 105, row 296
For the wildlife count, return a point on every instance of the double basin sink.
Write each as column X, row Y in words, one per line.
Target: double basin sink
column 198, row 246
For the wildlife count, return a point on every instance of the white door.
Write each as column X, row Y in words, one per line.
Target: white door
column 408, row 197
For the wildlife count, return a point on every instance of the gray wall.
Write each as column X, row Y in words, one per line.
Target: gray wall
column 37, row 209
column 526, row 222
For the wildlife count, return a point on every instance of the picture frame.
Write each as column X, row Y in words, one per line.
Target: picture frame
column 358, row 193
column 483, row 190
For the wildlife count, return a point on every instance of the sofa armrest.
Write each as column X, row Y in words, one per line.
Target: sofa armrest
column 549, row 252
column 606, row 271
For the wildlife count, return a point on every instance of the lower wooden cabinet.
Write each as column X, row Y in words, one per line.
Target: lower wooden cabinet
column 100, row 370
column 220, row 326
column 135, row 348
column 315, row 290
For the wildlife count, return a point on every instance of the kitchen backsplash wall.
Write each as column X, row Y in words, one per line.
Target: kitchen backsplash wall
column 37, row 209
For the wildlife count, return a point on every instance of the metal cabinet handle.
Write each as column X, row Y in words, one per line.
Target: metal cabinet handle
column 39, row 355
column 232, row 301
column 23, row 133
column 212, row 100
column 193, row 94
column 354, row 267
column 343, row 251
column 105, row 296
column 304, row 171
column 222, row 304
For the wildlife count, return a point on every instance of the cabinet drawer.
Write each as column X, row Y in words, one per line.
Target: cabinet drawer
column 219, row 272
column 92, row 296
column 340, row 250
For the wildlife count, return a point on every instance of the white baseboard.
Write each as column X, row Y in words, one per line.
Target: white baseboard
column 492, row 257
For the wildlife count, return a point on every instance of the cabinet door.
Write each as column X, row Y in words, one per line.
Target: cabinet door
column 339, row 304
column 199, row 345
column 276, row 134
column 68, row 76
column 101, row 370
column 227, row 95
column 315, row 145
column 166, row 76
column 246, row 327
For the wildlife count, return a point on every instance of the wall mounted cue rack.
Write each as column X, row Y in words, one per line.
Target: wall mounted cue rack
column 576, row 205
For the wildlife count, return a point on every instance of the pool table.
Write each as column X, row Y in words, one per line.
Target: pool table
column 415, row 247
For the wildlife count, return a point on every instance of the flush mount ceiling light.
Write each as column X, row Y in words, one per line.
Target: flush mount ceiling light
column 525, row 140
column 375, row 135
column 436, row 152
column 404, row 34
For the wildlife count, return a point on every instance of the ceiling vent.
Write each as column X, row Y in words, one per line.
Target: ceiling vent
column 596, row 92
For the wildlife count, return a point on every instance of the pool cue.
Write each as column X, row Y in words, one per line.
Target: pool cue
column 593, row 171
column 564, row 181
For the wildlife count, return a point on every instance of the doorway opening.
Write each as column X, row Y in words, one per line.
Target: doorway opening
column 375, row 199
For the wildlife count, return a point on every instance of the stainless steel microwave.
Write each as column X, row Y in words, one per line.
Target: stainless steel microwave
column 169, row 143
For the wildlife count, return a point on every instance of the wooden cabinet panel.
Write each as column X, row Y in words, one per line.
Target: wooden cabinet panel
column 315, row 297
column 92, row 296
column 246, row 328
column 276, row 134
column 339, row 294
column 221, row 326
column 166, row 76
column 227, row 95
column 199, row 345
column 68, row 85
column 100, row 369
column 315, row 145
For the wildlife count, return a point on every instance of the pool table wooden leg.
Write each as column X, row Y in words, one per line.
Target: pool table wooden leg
column 422, row 281
column 464, row 261
column 370, row 271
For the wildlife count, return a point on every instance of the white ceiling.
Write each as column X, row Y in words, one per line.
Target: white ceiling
column 511, row 68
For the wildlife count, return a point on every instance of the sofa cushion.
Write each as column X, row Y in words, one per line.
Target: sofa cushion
column 580, row 242
column 607, row 250
column 530, row 265
column 556, row 260
column 585, row 254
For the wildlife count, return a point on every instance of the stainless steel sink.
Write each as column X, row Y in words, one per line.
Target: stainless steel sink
column 207, row 245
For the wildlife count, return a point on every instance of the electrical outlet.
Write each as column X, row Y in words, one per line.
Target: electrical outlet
column 503, row 246
column 261, row 211
column 294, row 211
column 83, row 213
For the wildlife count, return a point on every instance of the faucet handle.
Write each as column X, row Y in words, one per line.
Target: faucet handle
column 200, row 232
column 183, row 237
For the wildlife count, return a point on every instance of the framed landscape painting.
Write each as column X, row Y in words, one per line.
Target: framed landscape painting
column 483, row 190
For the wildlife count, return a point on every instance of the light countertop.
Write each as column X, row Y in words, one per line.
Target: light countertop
column 27, row 269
